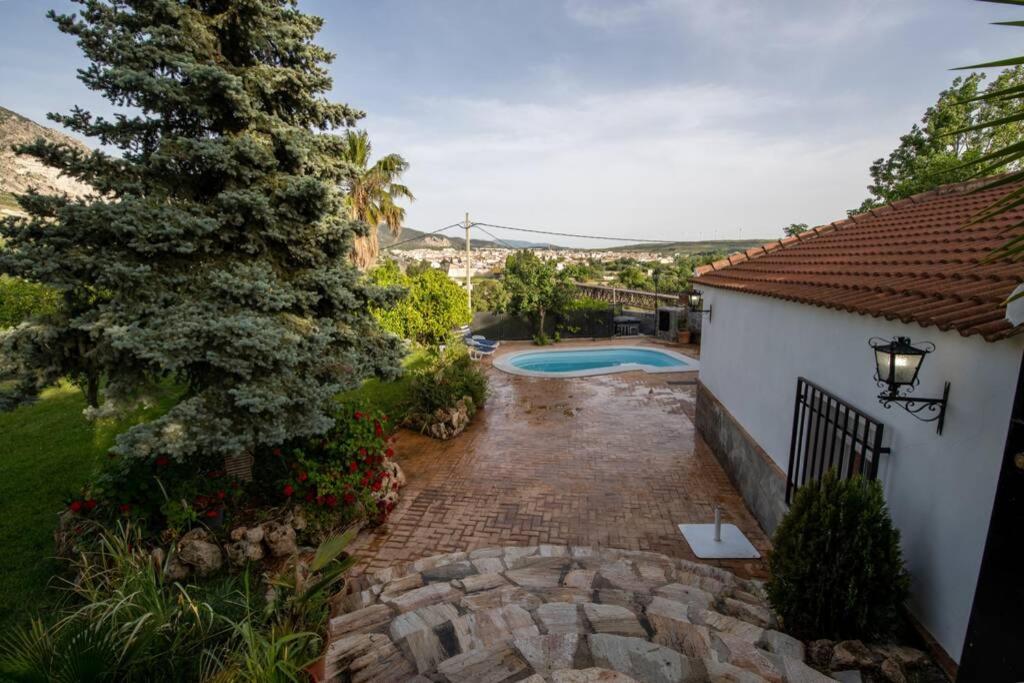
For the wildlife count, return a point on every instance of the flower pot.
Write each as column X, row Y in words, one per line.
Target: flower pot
column 684, row 337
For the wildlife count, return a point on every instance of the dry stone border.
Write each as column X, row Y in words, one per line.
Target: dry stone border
column 563, row 615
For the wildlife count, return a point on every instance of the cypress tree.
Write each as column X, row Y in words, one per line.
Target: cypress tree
column 216, row 249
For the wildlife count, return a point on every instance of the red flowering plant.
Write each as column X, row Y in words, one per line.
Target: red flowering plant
column 344, row 476
column 161, row 494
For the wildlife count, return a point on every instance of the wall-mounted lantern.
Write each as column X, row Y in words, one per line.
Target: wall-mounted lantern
column 897, row 364
column 695, row 301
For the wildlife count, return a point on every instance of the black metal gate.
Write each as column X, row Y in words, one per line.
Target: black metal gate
column 828, row 432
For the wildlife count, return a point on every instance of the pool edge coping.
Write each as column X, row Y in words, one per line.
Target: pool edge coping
column 503, row 363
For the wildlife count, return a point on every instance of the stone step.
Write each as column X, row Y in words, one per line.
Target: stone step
column 510, row 613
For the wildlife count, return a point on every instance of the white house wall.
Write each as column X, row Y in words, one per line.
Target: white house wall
column 939, row 488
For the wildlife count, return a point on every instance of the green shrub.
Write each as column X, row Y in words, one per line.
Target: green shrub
column 836, row 568
column 21, row 300
column 449, row 378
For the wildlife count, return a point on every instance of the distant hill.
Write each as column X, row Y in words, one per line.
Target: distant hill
column 696, row 247
column 18, row 173
column 416, row 239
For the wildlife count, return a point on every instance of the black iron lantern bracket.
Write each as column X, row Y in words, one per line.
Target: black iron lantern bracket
column 896, row 393
column 697, row 307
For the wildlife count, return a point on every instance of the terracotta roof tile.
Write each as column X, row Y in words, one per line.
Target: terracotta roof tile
column 915, row 260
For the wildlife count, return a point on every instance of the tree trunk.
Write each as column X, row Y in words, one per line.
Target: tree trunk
column 540, row 332
column 92, row 390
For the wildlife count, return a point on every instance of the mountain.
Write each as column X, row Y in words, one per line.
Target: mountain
column 694, row 247
column 18, row 172
column 416, row 239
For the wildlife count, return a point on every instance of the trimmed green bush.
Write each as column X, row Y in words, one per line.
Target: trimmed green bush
column 449, row 378
column 836, row 568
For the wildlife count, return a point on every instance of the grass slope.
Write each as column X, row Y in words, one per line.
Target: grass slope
column 49, row 450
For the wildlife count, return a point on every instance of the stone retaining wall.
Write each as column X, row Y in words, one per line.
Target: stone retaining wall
column 758, row 479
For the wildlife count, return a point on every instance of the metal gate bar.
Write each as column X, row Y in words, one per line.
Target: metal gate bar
column 830, row 433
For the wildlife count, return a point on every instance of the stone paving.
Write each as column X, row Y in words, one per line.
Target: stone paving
column 610, row 461
column 566, row 614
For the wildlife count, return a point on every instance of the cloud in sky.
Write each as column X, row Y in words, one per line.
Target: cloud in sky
column 658, row 118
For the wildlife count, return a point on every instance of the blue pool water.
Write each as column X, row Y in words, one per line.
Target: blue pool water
column 584, row 360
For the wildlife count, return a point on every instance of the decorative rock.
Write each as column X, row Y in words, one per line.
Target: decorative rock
column 455, row 570
column 497, row 597
column 819, row 653
column 754, row 614
column 489, row 565
column 691, row 595
column 238, row 533
column 421, row 597
column 549, row 653
column 374, row 618
column 343, row 651
column 384, row 662
column 743, row 654
column 535, row 577
column 424, row 648
column 280, row 539
column 848, row 676
column 781, row 644
column 722, row 672
column 642, row 660
column 559, row 617
column 613, row 596
column 674, row 629
column 480, row 553
column 580, row 578
column 490, row 627
column 622, row 574
column 905, row 656
column 176, row 570
column 731, row 625
column 851, row 654
column 548, row 550
column 197, row 550
column 707, row 583
column 892, row 672
column 513, row 555
column 254, row 535
column 613, row 619
column 395, row 588
column 795, row 671
column 425, row 618
column 243, row 551
column 563, row 594
column 480, row 582
column 592, row 675
column 489, row 665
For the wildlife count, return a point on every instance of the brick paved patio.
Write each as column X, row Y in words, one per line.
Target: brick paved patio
column 610, row 460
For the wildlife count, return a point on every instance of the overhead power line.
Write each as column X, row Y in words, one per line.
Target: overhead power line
column 492, row 236
column 569, row 234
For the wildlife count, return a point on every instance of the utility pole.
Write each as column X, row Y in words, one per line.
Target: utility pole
column 469, row 268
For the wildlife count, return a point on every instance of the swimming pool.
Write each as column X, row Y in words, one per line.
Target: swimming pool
column 599, row 360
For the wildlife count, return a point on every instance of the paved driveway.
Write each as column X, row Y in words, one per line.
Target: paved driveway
column 610, row 460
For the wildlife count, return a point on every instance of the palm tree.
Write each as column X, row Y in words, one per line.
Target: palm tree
column 373, row 193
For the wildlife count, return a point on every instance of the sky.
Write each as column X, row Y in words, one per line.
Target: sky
column 656, row 119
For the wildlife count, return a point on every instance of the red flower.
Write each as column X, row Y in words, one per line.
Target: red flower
column 353, row 467
column 350, row 498
column 287, row 490
column 90, row 504
column 362, row 452
column 221, row 494
column 202, row 501
column 358, row 415
column 390, row 452
column 377, row 428
column 161, row 461
column 277, row 452
column 76, row 506
column 303, row 476
column 319, row 500
column 331, row 501
column 376, row 486
column 211, row 513
column 125, row 508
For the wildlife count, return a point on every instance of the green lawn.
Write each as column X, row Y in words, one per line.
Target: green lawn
column 48, row 450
